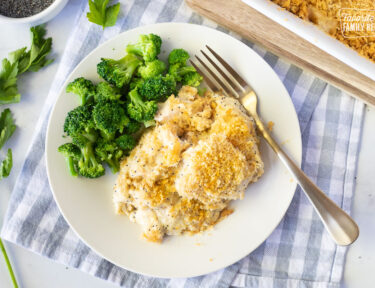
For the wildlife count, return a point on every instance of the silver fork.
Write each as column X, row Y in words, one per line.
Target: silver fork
column 340, row 225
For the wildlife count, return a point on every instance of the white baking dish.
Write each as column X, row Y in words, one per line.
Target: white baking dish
column 311, row 33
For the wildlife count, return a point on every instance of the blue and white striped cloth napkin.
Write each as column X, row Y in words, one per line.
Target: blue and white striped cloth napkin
column 299, row 253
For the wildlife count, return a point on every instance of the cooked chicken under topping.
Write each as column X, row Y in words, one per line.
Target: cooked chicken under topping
column 202, row 153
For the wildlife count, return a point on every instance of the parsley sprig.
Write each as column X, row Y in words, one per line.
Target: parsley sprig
column 102, row 14
column 21, row 61
column 7, row 128
column 6, row 165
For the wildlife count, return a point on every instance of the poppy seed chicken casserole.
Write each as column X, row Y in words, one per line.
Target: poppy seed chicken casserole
column 327, row 15
column 202, row 153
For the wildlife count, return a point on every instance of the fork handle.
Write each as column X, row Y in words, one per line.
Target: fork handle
column 338, row 223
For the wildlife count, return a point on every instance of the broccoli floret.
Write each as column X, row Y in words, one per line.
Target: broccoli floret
column 136, row 83
column 110, row 153
column 192, row 79
column 177, row 71
column 152, row 69
column 178, row 56
column 148, row 47
column 79, row 121
column 140, row 110
column 82, row 87
column 185, row 74
column 118, row 72
column 132, row 127
column 72, row 155
column 80, row 125
column 177, row 68
column 109, row 117
column 104, row 91
column 158, row 88
column 88, row 165
column 126, row 142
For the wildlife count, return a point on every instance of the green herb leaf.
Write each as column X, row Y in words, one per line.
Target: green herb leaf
column 35, row 58
column 111, row 15
column 101, row 14
column 8, row 83
column 40, row 48
column 22, row 58
column 7, row 126
column 6, row 165
column 20, row 61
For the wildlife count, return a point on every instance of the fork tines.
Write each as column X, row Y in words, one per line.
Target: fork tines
column 225, row 79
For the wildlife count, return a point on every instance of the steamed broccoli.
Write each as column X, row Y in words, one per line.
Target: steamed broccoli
column 178, row 71
column 109, row 117
column 135, row 83
column 140, row 110
column 79, row 121
column 177, row 68
column 148, row 47
column 84, row 88
column 118, row 72
column 126, row 142
column 178, row 56
column 88, row 165
column 104, row 91
column 132, row 127
column 109, row 152
column 72, row 155
column 152, row 69
column 158, row 88
column 80, row 125
column 187, row 75
column 193, row 79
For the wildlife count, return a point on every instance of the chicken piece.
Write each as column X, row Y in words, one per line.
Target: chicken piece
column 239, row 128
column 213, row 172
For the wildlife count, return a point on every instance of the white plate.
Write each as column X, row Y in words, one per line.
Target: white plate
column 87, row 204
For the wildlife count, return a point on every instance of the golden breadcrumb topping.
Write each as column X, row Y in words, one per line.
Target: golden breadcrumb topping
column 212, row 172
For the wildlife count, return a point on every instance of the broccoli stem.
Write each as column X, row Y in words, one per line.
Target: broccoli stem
column 131, row 66
column 90, row 135
column 88, row 155
column 113, row 165
column 93, row 160
column 9, row 266
column 70, row 163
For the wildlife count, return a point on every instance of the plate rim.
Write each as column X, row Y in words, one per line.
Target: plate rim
column 298, row 159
